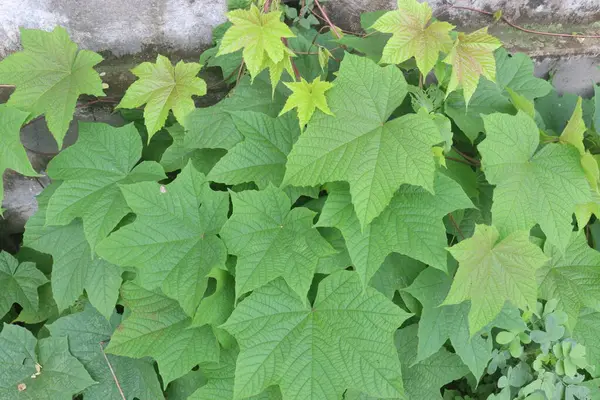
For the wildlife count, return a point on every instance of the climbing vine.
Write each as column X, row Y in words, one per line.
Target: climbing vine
column 403, row 214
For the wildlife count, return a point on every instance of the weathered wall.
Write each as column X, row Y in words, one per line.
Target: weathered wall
column 119, row 26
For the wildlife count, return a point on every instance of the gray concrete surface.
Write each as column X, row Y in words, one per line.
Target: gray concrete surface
column 117, row 26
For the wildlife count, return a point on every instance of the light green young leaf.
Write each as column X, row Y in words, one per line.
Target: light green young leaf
column 75, row 268
column 259, row 34
column 307, row 97
column 261, row 157
column 515, row 72
column 493, row 271
column 159, row 328
column 571, row 277
column 91, row 171
column 43, row 372
column 530, row 182
column 359, row 146
column 19, row 283
column 173, row 241
column 87, row 332
column 12, row 153
column 411, row 225
column 272, row 241
column 163, row 87
column 472, row 57
column 307, row 351
column 414, row 35
column 50, row 74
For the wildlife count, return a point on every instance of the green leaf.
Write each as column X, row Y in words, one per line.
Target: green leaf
column 213, row 127
column 359, row 146
column 173, row 241
column 259, row 34
column 442, row 322
column 272, row 241
column 50, row 73
column 487, row 99
column 414, row 35
column 261, row 156
column 556, row 110
column 221, row 377
column 162, row 87
column 472, row 57
column 307, row 97
column 307, row 350
column 424, row 379
column 43, row 372
column 12, row 153
column 411, row 225
column 493, row 271
column 515, row 72
column 75, row 268
column 530, row 182
column 19, row 283
column 91, row 171
column 177, row 155
column 571, row 277
column 88, row 332
column 159, row 328
column 587, row 332
column 396, row 273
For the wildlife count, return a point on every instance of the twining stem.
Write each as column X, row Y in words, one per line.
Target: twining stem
column 266, row 5
column 474, row 161
column 451, row 217
column 508, row 22
column 112, row 372
column 294, row 67
column 331, row 25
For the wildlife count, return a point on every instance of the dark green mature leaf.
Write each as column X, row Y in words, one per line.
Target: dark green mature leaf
column 422, row 379
column 411, row 225
column 529, row 181
column 19, row 283
column 91, row 171
column 159, row 328
column 213, row 127
column 50, row 74
column 88, row 333
column 571, row 277
column 42, row 371
column 516, row 73
column 272, row 241
column 261, row 156
column 220, row 381
column 358, row 145
column 173, row 240
column 307, row 351
column 75, row 268
column 177, row 155
column 487, row 99
column 556, row 110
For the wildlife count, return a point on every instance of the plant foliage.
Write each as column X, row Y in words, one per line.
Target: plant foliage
column 337, row 227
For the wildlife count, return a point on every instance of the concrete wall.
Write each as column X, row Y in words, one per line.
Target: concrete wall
column 118, row 26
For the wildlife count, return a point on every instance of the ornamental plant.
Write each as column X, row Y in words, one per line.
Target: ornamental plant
column 403, row 214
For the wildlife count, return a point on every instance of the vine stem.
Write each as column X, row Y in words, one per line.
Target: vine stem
column 472, row 160
column 510, row 23
column 462, row 237
column 331, row 25
column 112, row 372
column 460, row 161
column 294, row 67
column 266, row 5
